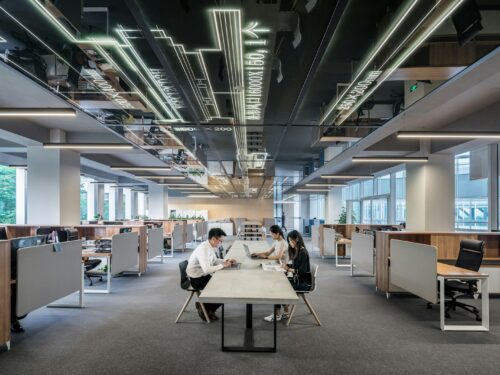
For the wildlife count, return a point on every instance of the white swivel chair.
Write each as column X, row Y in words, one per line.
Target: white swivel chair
column 303, row 294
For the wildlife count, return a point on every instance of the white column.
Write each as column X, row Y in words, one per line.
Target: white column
column 128, row 203
column 53, row 193
column 111, row 201
column 140, row 204
column 333, row 205
column 20, row 196
column 158, row 202
column 119, row 214
column 99, row 199
column 430, row 194
column 134, row 205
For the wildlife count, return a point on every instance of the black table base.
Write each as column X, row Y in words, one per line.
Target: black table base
column 248, row 345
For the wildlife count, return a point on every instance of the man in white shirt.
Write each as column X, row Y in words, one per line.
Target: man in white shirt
column 202, row 263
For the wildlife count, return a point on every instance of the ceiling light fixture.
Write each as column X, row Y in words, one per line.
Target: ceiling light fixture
column 326, row 185
column 38, row 112
column 202, row 196
column 313, row 190
column 141, row 168
column 162, row 177
column 89, row 146
column 390, row 159
column 449, row 135
column 186, row 188
column 346, row 176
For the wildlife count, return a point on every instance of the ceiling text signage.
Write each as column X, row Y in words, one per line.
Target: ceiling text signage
column 168, row 88
column 94, row 77
column 357, row 90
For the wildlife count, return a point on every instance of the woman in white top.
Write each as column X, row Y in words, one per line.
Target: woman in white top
column 279, row 250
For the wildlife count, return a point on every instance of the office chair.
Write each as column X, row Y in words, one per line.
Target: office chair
column 306, row 301
column 89, row 265
column 186, row 285
column 3, row 233
column 470, row 257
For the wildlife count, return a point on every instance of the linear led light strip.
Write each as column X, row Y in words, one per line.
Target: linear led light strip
column 372, row 55
column 449, row 135
column 390, row 159
column 88, row 146
column 146, row 70
column 449, row 9
column 128, row 168
column 96, row 41
column 313, row 190
column 228, row 31
column 346, row 176
column 325, row 185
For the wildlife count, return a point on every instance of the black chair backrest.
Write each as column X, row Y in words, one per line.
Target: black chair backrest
column 3, row 233
column 185, row 283
column 471, row 254
column 44, row 230
column 125, row 230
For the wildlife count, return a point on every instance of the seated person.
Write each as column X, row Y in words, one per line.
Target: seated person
column 279, row 250
column 300, row 267
column 202, row 263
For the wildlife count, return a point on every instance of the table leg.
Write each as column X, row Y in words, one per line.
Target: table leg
column 442, row 307
column 485, row 304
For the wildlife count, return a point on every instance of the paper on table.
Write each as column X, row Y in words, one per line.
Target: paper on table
column 272, row 267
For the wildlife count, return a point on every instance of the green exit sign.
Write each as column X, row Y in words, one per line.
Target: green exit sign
column 413, row 87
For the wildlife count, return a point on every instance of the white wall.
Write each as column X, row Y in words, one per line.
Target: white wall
column 252, row 209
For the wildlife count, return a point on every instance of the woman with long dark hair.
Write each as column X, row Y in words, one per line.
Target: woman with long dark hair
column 279, row 250
column 300, row 268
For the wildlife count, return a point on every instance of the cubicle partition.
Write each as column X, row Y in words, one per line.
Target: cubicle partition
column 448, row 246
column 5, row 293
column 363, row 254
column 316, row 240
column 155, row 242
column 414, row 269
column 199, row 230
column 329, row 242
column 189, row 233
column 124, row 252
column 226, row 225
column 62, row 274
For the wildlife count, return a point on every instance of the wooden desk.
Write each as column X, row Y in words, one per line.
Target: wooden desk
column 5, row 283
column 447, row 272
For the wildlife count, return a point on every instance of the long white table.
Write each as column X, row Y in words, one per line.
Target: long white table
column 248, row 285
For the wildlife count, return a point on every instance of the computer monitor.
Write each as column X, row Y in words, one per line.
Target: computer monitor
column 125, row 230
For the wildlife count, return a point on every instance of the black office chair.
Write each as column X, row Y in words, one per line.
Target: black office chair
column 3, row 233
column 186, row 285
column 470, row 257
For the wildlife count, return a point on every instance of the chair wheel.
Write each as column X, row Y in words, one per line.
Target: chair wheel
column 447, row 315
column 429, row 306
column 478, row 319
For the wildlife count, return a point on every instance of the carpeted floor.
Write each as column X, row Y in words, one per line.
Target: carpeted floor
column 132, row 331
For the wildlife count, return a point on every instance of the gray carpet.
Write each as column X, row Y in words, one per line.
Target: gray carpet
column 132, row 331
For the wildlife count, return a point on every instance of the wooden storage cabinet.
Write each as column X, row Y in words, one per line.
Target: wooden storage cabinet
column 251, row 231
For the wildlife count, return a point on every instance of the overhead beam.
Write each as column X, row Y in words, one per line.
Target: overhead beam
column 320, row 52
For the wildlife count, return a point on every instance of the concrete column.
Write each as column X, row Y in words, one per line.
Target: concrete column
column 134, row 205
column 99, row 199
column 53, row 186
column 112, row 202
column 430, row 194
column 119, row 214
column 90, row 200
column 158, row 201
column 333, row 205
column 128, row 203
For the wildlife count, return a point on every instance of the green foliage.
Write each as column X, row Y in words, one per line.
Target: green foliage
column 343, row 216
column 7, row 195
column 83, row 202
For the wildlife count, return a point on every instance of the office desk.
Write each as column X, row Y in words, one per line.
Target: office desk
column 91, row 253
column 447, row 272
column 249, row 285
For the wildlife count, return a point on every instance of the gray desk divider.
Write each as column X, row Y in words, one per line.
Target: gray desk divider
column 205, row 231
column 329, row 241
column 189, row 233
column 178, row 237
column 44, row 276
column 414, row 268
column 199, row 230
column 155, row 242
column 124, row 252
column 362, row 254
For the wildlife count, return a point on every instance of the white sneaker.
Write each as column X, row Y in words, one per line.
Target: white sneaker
column 270, row 318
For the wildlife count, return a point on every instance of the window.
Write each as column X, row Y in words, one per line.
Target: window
column 471, row 191
column 384, row 185
column 367, row 212
column 367, row 188
column 400, row 197
column 7, row 195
